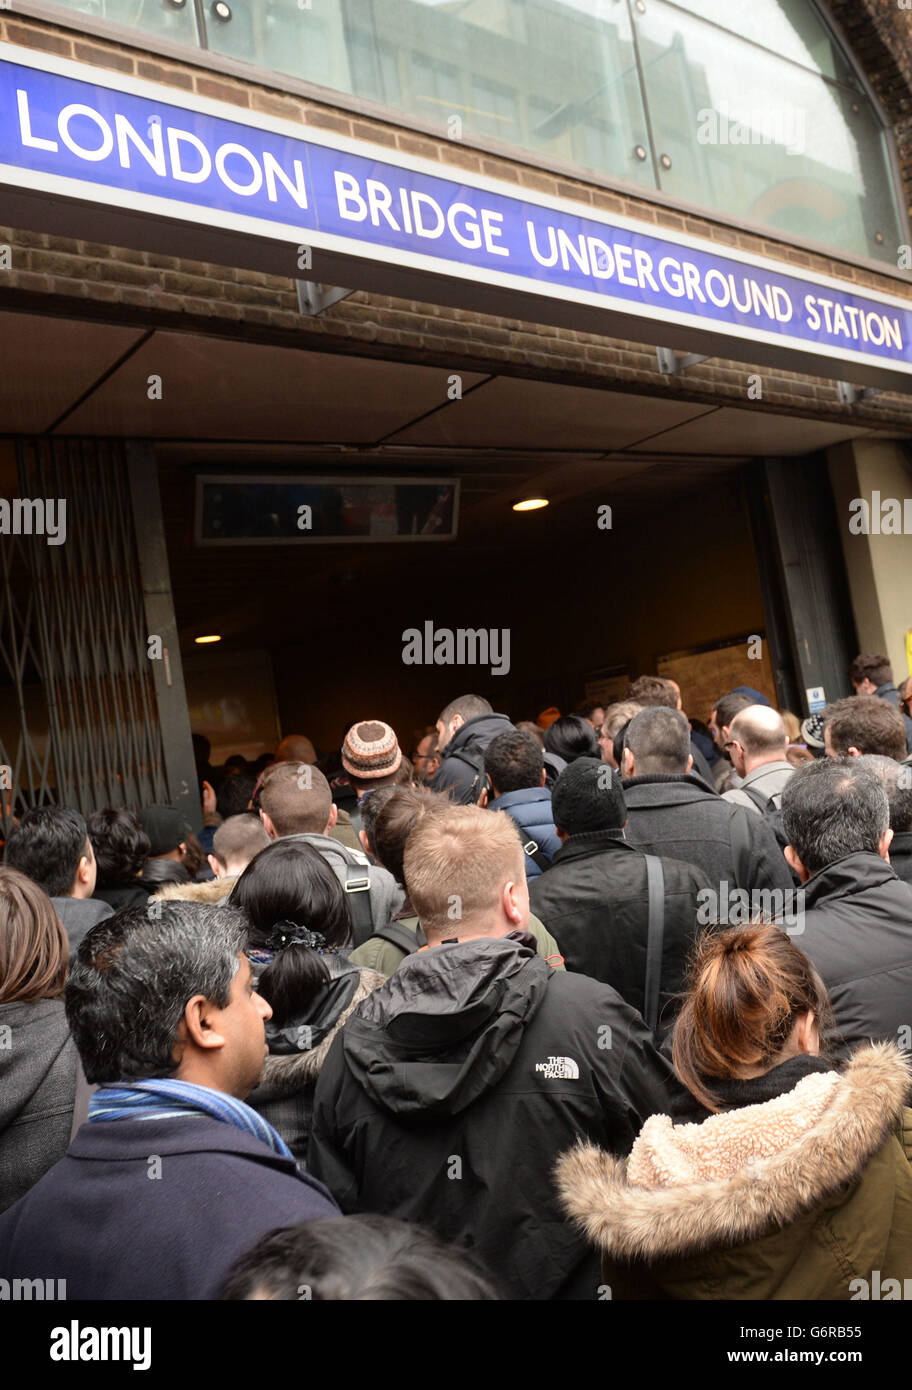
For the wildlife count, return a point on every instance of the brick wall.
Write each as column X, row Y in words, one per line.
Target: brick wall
column 121, row 285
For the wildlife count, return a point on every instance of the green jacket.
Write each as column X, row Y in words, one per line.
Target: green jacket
column 385, row 956
column 822, row 1208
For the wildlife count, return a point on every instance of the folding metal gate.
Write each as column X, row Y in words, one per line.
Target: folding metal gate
column 79, row 720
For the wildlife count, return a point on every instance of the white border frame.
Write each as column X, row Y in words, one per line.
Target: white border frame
column 100, row 194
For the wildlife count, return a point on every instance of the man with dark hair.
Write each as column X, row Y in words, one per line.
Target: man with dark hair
column 424, row 759
column 654, row 692
column 675, row 814
column 173, row 1176
column 863, row 724
column 594, row 711
column 296, row 802
column 872, row 674
column 515, row 766
column 449, row 1094
column 897, row 782
column 858, row 914
column 464, row 730
column 595, row 897
column 235, row 794
column 51, row 846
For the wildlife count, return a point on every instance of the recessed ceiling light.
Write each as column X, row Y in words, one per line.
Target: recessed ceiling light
column 208, row 637
column 530, row 504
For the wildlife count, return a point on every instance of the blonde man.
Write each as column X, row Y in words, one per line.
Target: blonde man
column 449, row 1095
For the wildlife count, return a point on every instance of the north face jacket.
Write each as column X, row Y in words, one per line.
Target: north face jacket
column 804, row 1194
column 462, row 761
column 678, row 817
column 530, row 808
column 858, row 932
column 595, row 901
column 453, row 1088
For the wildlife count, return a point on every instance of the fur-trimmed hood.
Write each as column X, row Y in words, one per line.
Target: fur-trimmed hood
column 214, row 890
column 286, row 1073
column 691, row 1188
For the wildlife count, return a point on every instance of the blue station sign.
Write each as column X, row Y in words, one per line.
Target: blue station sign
column 71, row 132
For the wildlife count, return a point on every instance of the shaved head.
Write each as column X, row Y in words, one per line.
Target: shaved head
column 761, row 732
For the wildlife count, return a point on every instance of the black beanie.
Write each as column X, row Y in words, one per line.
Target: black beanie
column 588, row 796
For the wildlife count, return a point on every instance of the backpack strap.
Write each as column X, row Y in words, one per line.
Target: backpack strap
column 536, row 854
column 739, row 834
column 760, row 801
column 357, row 886
column 655, row 887
column 407, row 939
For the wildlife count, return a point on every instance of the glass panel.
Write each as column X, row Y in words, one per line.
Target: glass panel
column 740, row 130
column 160, row 17
column 558, row 78
column 792, row 28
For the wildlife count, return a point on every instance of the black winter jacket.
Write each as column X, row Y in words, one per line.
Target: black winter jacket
column 595, row 901
column 901, row 855
column 462, row 760
column 681, row 818
column 858, row 932
column 454, row 1087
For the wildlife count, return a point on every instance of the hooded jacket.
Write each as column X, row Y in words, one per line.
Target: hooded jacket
column 858, row 933
column 530, row 808
column 804, row 1195
column 463, row 758
column 678, row 817
column 37, row 1092
column 452, row 1089
column 595, row 900
column 297, row 1052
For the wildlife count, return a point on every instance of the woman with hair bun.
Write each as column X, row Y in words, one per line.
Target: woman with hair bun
column 787, row 1179
column 298, row 946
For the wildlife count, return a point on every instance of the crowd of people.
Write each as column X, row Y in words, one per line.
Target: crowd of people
column 615, row 1003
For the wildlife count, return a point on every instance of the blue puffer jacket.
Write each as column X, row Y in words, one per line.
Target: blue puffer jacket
column 531, row 809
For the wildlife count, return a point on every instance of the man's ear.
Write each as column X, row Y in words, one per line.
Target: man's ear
column 883, row 849
column 544, row 777
column 628, row 764
column 853, row 752
column 199, row 1023
column 215, row 865
column 84, row 870
column 792, row 859
column 512, row 910
column 365, row 842
column 183, row 848
column 268, row 825
column 690, row 763
column 333, row 817
column 483, row 798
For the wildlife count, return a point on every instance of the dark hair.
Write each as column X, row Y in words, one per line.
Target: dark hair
column 659, row 739
column 370, row 807
column 873, row 666
column 571, row 737
column 396, row 821
column 653, row 692
column 727, row 706
column 121, row 845
column 832, row 808
column 587, row 710
column 290, row 881
column 867, row 723
column 132, row 976
column 34, row 949
column 357, row 1259
column 289, row 885
column 897, row 780
column 194, row 854
column 746, row 987
column 514, row 761
column 234, row 794
column 467, row 706
column 47, row 845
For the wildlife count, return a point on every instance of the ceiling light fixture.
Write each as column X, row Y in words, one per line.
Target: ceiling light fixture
column 531, row 504
column 208, row 637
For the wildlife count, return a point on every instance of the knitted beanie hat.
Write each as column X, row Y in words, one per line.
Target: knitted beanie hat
column 588, row 796
column 370, row 750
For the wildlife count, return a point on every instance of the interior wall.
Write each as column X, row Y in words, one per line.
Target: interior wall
column 676, row 576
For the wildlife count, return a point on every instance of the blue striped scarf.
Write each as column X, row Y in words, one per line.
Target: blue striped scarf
column 169, row 1099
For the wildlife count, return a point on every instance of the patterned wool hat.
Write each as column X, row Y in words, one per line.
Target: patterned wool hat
column 370, row 750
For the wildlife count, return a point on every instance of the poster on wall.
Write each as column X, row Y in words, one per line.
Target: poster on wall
column 706, row 673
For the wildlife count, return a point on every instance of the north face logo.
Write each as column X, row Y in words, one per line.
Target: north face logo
column 559, row 1069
